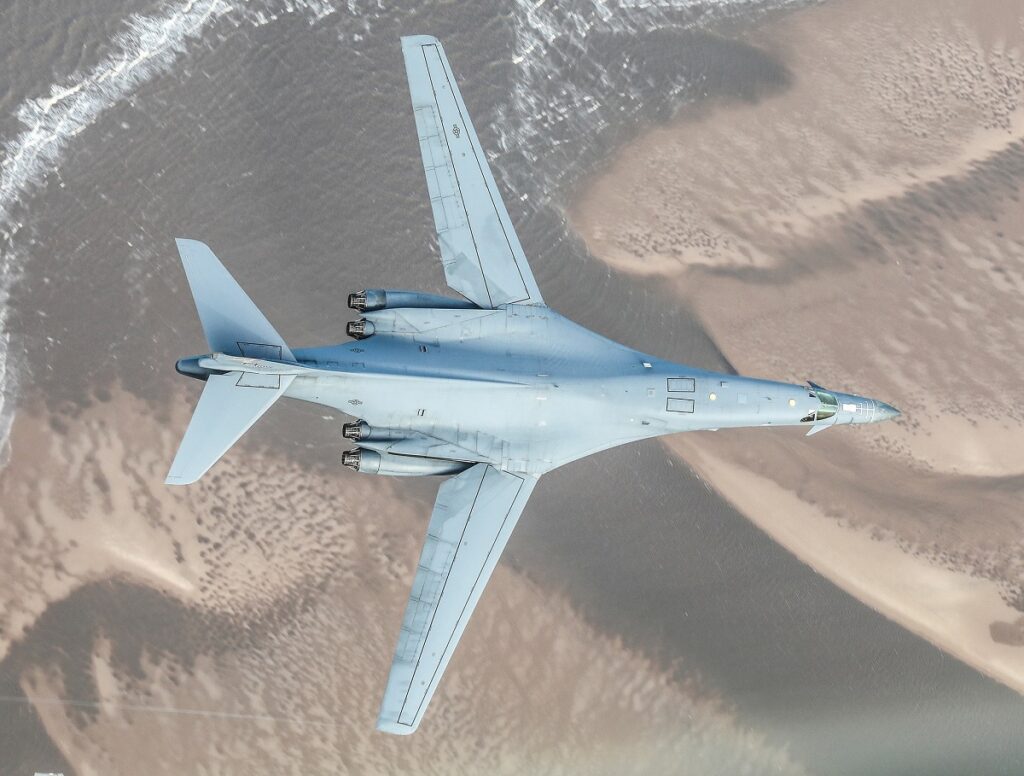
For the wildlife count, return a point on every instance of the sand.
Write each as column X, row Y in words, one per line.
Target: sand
column 862, row 229
column 246, row 624
column 947, row 607
column 249, row 629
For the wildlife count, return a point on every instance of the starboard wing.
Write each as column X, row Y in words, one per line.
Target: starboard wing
column 473, row 517
column 480, row 251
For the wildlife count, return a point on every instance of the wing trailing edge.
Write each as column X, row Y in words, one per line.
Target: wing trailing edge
column 473, row 517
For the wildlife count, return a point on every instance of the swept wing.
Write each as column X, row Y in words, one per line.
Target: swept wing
column 473, row 517
column 480, row 251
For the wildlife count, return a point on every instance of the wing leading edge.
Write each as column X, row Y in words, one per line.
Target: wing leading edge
column 473, row 517
column 480, row 251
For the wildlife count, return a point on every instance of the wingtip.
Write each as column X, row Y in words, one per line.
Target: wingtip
column 177, row 479
column 395, row 729
column 188, row 247
column 409, row 41
column 180, row 474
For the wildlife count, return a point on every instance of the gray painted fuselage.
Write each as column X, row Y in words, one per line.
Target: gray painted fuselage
column 528, row 390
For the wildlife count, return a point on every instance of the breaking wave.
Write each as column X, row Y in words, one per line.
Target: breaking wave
column 148, row 46
column 566, row 88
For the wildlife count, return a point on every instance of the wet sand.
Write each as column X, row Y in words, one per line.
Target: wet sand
column 862, row 229
column 157, row 616
column 218, row 626
column 961, row 613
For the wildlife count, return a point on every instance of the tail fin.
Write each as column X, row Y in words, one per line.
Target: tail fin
column 231, row 322
column 231, row 402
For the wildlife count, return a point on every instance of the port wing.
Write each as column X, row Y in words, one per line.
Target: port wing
column 473, row 517
column 480, row 251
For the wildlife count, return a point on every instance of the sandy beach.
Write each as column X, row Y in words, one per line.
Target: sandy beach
column 862, row 229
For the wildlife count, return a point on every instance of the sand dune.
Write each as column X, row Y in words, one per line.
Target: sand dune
column 863, row 229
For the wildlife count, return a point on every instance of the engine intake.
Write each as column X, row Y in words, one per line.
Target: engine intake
column 384, row 298
column 367, row 461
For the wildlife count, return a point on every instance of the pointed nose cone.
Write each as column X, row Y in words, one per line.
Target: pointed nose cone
column 885, row 412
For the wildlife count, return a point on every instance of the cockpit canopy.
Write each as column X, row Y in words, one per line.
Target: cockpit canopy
column 828, row 406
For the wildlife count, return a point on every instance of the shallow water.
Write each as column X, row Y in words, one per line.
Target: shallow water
column 280, row 134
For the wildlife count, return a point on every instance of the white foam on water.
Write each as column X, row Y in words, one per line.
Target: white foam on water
column 149, row 45
column 550, row 39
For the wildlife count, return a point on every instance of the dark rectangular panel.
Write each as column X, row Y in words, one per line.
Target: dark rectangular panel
column 259, row 350
column 680, row 405
column 681, row 384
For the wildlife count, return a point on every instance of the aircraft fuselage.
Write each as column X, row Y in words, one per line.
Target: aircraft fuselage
column 526, row 389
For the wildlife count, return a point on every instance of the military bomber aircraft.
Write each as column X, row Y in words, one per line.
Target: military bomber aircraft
column 494, row 388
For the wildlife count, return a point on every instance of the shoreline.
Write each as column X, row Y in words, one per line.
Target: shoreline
column 875, row 571
column 861, row 229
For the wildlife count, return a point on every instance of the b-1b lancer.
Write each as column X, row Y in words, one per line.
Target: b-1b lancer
column 494, row 388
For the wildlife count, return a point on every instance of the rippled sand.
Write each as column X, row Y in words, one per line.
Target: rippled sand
column 862, row 229
column 245, row 624
column 249, row 629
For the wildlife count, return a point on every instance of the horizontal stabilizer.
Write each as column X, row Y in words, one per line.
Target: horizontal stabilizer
column 231, row 322
column 228, row 407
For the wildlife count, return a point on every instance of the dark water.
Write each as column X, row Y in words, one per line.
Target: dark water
column 645, row 551
column 288, row 145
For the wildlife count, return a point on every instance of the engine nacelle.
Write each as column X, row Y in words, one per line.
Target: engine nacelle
column 368, row 461
column 383, row 298
column 361, row 431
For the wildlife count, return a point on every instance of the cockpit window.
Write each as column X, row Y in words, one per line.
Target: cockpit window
column 827, row 408
column 829, row 405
